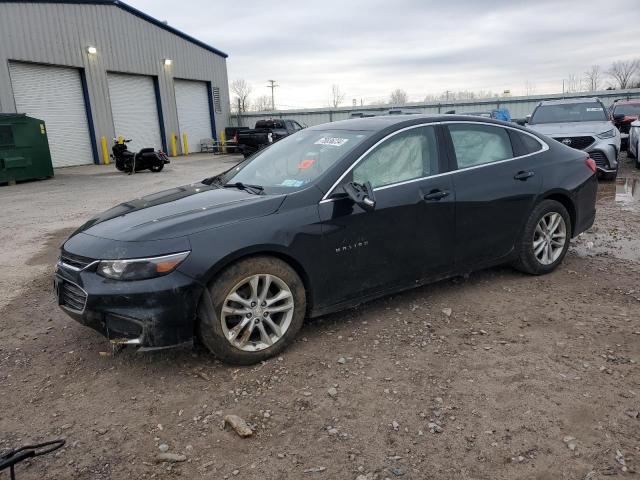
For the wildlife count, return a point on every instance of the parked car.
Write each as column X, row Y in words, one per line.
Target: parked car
column 634, row 142
column 623, row 113
column 581, row 123
column 264, row 134
column 323, row 220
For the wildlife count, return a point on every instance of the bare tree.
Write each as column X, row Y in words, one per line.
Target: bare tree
column 337, row 96
column 398, row 97
column 593, row 77
column 262, row 103
column 242, row 90
column 529, row 88
column 572, row 83
column 623, row 72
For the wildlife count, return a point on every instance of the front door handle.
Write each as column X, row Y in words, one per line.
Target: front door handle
column 436, row 195
column 523, row 176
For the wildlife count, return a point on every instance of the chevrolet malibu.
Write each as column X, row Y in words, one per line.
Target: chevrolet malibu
column 323, row 220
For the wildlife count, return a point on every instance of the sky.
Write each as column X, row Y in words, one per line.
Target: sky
column 369, row 48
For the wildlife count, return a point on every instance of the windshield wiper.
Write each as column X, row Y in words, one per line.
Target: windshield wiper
column 257, row 189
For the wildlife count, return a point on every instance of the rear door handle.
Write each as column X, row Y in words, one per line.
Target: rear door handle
column 436, row 195
column 523, row 176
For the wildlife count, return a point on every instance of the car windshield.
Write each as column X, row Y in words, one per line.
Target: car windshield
column 629, row 109
column 569, row 112
column 295, row 161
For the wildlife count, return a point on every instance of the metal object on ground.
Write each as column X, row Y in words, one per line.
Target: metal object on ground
column 12, row 457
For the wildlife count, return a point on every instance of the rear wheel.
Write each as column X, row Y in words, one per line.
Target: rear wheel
column 545, row 239
column 156, row 168
column 252, row 310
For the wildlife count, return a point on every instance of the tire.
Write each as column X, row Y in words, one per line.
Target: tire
column 527, row 260
column 156, row 168
column 215, row 325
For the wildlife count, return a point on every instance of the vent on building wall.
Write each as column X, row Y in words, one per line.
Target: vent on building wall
column 216, row 100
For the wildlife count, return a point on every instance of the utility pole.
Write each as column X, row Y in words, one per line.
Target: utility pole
column 272, row 85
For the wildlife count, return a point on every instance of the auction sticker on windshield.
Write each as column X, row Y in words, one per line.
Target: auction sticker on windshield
column 335, row 141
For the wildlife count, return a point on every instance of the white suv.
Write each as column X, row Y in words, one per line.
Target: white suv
column 581, row 123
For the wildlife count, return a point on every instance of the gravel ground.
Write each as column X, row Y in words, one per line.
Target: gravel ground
column 496, row 376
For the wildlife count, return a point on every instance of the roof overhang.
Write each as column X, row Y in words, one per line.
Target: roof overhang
column 133, row 11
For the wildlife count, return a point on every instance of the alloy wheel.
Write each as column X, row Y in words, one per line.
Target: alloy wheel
column 549, row 238
column 257, row 312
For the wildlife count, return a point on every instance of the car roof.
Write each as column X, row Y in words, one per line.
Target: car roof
column 382, row 122
column 564, row 101
column 629, row 101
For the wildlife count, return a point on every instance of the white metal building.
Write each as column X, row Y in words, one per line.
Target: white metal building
column 95, row 70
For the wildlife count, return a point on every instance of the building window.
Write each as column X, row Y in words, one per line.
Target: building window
column 216, row 100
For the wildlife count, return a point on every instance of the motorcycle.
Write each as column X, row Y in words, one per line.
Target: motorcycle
column 131, row 162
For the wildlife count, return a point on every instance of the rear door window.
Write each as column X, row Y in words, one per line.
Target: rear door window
column 479, row 144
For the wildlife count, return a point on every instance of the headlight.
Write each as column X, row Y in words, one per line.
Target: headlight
column 140, row 268
column 607, row 134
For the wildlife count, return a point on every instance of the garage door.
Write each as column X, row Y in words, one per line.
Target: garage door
column 134, row 110
column 194, row 115
column 54, row 94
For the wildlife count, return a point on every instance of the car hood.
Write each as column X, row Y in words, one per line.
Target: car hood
column 571, row 128
column 179, row 212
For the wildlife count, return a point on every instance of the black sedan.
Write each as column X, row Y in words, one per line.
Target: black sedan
column 325, row 219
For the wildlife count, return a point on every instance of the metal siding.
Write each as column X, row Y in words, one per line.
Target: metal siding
column 58, row 34
column 519, row 107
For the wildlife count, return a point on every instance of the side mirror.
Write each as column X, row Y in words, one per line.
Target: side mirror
column 618, row 117
column 361, row 195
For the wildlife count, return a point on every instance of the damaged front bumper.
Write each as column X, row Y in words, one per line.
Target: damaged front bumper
column 154, row 313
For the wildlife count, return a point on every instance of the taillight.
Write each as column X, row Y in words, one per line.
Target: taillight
column 235, row 138
column 591, row 163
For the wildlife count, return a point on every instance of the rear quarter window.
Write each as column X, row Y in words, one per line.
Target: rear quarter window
column 529, row 143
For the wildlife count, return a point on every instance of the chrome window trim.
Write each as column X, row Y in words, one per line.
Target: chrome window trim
column 544, row 147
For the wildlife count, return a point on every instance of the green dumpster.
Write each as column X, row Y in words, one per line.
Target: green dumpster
column 24, row 149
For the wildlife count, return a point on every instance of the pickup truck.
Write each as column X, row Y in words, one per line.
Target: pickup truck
column 264, row 134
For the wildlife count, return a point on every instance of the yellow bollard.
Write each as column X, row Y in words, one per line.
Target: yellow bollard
column 105, row 151
column 223, row 141
column 174, row 150
column 185, row 145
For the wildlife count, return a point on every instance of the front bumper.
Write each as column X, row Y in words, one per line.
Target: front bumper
column 154, row 313
column 605, row 154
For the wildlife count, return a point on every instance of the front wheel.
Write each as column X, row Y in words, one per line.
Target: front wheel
column 545, row 239
column 252, row 310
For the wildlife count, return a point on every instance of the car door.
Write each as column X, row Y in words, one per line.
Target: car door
column 495, row 190
column 408, row 236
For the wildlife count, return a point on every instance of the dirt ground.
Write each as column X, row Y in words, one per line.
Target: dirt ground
column 528, row 377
